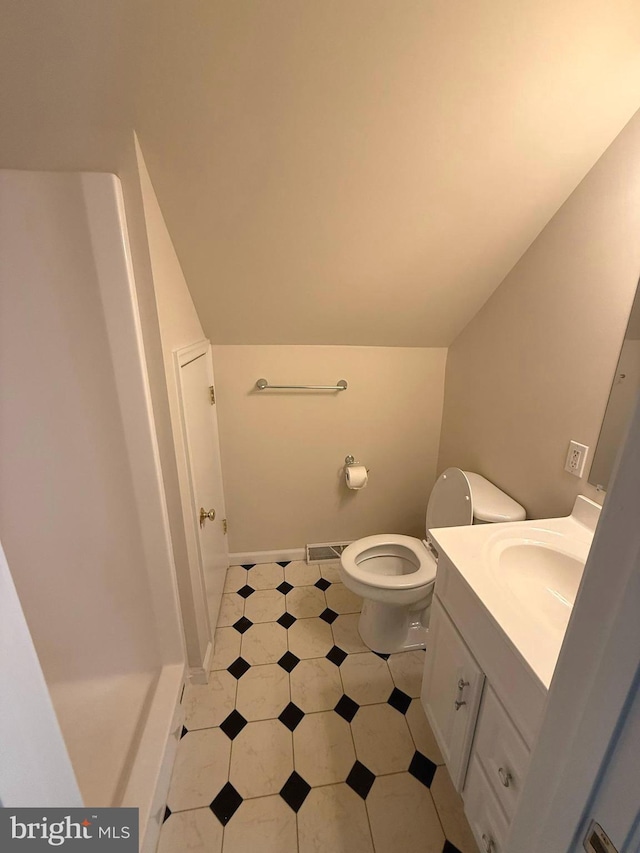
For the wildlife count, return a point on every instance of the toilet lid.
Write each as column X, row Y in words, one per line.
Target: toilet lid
column 450, row 504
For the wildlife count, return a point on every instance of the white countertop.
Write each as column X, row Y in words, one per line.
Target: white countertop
column 526, row 574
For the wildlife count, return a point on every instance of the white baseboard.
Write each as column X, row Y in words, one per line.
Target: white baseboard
column 243, row 558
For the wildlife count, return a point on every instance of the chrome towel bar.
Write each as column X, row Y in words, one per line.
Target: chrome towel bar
column 263, row 385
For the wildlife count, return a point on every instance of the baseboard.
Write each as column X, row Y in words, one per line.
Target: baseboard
column 243, row 558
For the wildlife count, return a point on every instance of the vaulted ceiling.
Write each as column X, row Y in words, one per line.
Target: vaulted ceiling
column 341, row 171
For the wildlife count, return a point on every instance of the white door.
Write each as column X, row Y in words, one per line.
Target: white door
column 451, row 692
column 200, row 424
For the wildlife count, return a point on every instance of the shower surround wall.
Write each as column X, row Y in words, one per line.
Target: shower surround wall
column 78, row 462
column 283, row 451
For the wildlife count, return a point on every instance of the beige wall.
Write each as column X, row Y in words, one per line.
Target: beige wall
column 533, row 369
column 179, row 326
column 282, row 452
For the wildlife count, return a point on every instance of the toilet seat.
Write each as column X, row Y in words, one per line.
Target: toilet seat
column 390, row 561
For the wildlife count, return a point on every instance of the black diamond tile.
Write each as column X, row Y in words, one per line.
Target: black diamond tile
column 291, row 716
column 449, row 848
column 336, row 655
column 248, row 565
column 382, row 655
column 233, row 724
column 286, row 620
column 329, row 615
column 360, row 779
column 243, row 624
column 423, row 769
column 323, row 584
column 167, row 813
column 294, row 791
column 284, row 563
column 238, row 667
column 399, row 700
column 226, row 804
column 289, row 661
column 185, row 731
column 284, row 587
column 347, row 708
column 246, row 591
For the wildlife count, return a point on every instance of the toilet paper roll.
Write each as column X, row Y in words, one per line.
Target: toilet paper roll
column 356, row 476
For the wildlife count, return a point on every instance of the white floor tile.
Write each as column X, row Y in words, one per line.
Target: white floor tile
column 231, row 609
column 421, row 733
column 382, row 739
column 264, row 643
column 266, row 576
column 236, row 578
column 263, row 692
column 207, row 705
column 265, row 605
column 331, row 572
column 298, row 573
column 201, row 769
column 265, row 824
column 366, row 678
column 310, row 638
column 346, row 634
column 333, row 819
column 402, row 816
column 261, row 759
column 450, row 810
column 306, row 601
column 406, row 670
column 323, row 749
column 315, row 685
column 226, row 647
column 197, row 831
column 342, row 600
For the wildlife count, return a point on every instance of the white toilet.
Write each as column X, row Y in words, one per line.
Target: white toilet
column 395, row 575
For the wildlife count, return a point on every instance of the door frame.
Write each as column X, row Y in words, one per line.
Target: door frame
column 594, row 677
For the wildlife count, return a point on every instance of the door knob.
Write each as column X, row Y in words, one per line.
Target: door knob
column 204, row 515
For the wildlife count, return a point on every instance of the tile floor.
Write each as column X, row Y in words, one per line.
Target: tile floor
column 304, row 741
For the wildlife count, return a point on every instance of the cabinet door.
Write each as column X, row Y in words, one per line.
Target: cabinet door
column 451, row 691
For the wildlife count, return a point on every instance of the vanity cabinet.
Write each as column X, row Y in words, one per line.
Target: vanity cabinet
column 451, row 691
column 483, row 705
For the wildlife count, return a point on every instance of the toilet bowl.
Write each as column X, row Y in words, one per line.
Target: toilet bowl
column 395, row 575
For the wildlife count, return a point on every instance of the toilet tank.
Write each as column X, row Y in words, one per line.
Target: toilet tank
column 491, row 504
column 461, row 497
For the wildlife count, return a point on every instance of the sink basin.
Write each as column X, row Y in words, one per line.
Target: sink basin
column 527, row 575
column 542, row 572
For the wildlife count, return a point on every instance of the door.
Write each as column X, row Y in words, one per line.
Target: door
column 451, row 692
column 200, row 424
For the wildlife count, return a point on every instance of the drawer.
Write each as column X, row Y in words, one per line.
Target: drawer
column 501, row 751
column 484, row 813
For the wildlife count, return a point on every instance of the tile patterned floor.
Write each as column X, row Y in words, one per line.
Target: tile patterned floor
column 304, row 741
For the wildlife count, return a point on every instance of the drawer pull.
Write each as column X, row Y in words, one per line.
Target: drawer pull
column 461, row 685
column 489, row 843
column 505, row 777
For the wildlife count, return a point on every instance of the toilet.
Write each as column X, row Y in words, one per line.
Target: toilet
column 395, row 575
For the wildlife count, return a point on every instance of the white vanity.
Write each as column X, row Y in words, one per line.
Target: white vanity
column 502, row 602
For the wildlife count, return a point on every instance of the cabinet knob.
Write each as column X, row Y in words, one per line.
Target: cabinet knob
column 489, row 843
column 505, row 777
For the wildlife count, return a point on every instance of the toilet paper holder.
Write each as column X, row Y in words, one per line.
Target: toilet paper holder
column 351, row 460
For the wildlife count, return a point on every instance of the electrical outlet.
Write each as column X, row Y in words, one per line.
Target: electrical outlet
column 576, row 458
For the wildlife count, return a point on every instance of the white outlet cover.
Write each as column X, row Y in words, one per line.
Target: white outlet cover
column 576, row 458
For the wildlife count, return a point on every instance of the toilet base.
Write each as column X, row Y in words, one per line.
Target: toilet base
column 388, row 629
